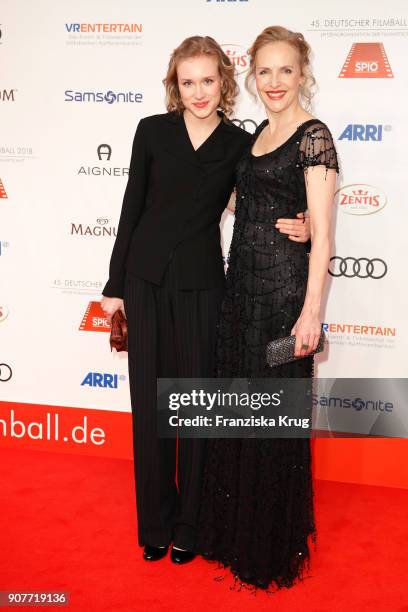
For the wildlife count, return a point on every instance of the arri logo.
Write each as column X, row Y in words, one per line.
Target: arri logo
column 238, row 56
column 3, row 194
column 361, row 199
column 3, row 313
column 7, row 95
column 94, row 319
column 366, row 61
column 364, row 132
column 103, row 380
column 110, row 97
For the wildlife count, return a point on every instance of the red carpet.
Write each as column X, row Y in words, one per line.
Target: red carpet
column 68, row 524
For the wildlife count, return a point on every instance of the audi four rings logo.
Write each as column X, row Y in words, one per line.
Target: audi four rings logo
column 350, row 267
column 5, row 372
column 249, row 125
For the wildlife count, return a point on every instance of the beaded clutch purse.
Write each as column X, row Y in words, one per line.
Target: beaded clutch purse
column 282, row 350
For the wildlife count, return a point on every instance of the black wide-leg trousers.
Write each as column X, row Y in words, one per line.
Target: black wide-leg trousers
column 172, row 333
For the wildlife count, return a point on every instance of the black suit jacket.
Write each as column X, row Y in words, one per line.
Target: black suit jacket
column 173, row 203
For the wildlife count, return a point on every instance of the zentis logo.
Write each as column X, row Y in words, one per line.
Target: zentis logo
column 94, row 319
column 238, row 56
column 3, row 194
column 366, row 61
column 361, row 199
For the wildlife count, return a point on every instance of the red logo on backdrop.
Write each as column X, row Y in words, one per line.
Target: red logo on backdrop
column 366, row 61
column 238, row 56
column 3, row 193
column 94, row 319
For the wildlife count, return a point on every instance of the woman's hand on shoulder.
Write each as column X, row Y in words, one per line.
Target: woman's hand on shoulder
column 110, row 305
column 297, row 229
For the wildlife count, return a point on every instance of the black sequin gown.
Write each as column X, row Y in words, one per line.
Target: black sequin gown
column 257, row 512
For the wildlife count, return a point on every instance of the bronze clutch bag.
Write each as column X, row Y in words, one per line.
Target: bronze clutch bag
column 282, row 350
column 119, row 332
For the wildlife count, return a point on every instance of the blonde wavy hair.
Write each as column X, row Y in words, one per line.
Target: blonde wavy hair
column 298, row 42
column 195, row 46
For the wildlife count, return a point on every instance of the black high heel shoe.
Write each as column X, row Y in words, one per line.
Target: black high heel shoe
column 181, row 556
column 154, row 553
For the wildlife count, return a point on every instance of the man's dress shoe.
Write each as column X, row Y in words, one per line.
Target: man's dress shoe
column 154, row 553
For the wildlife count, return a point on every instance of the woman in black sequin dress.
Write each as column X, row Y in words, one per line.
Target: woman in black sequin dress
column 257, row 512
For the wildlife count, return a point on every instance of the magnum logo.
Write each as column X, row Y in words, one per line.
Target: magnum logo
column 366, row 61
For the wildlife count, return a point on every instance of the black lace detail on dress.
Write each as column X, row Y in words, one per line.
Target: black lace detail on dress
column 257, row 508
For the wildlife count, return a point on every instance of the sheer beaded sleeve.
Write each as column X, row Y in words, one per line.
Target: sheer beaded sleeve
column 317, row 148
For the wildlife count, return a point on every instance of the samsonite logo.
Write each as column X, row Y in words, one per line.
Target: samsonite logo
column 366, row 61
column 361, row 199
column 102, row 379
column 94, row 319
column 364, row 132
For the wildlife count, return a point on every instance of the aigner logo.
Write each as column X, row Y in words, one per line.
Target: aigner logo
column 362, row 267
column 104, row 151
column 366, row 61
column 249, row 125
column 361, row 199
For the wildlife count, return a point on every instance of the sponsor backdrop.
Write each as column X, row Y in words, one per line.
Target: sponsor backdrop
column 76, row 79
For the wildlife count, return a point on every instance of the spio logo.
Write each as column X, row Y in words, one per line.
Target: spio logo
column 99, row 96
column 238, row 56
column 104, row 151
column 3, row 194
column 104, row 380
column 94, row 319
column 364, row 132
column 366, row 60
column 361, row 199
column 3, row 313
column 5, row 372
column 249, row 125
column 362, row 267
